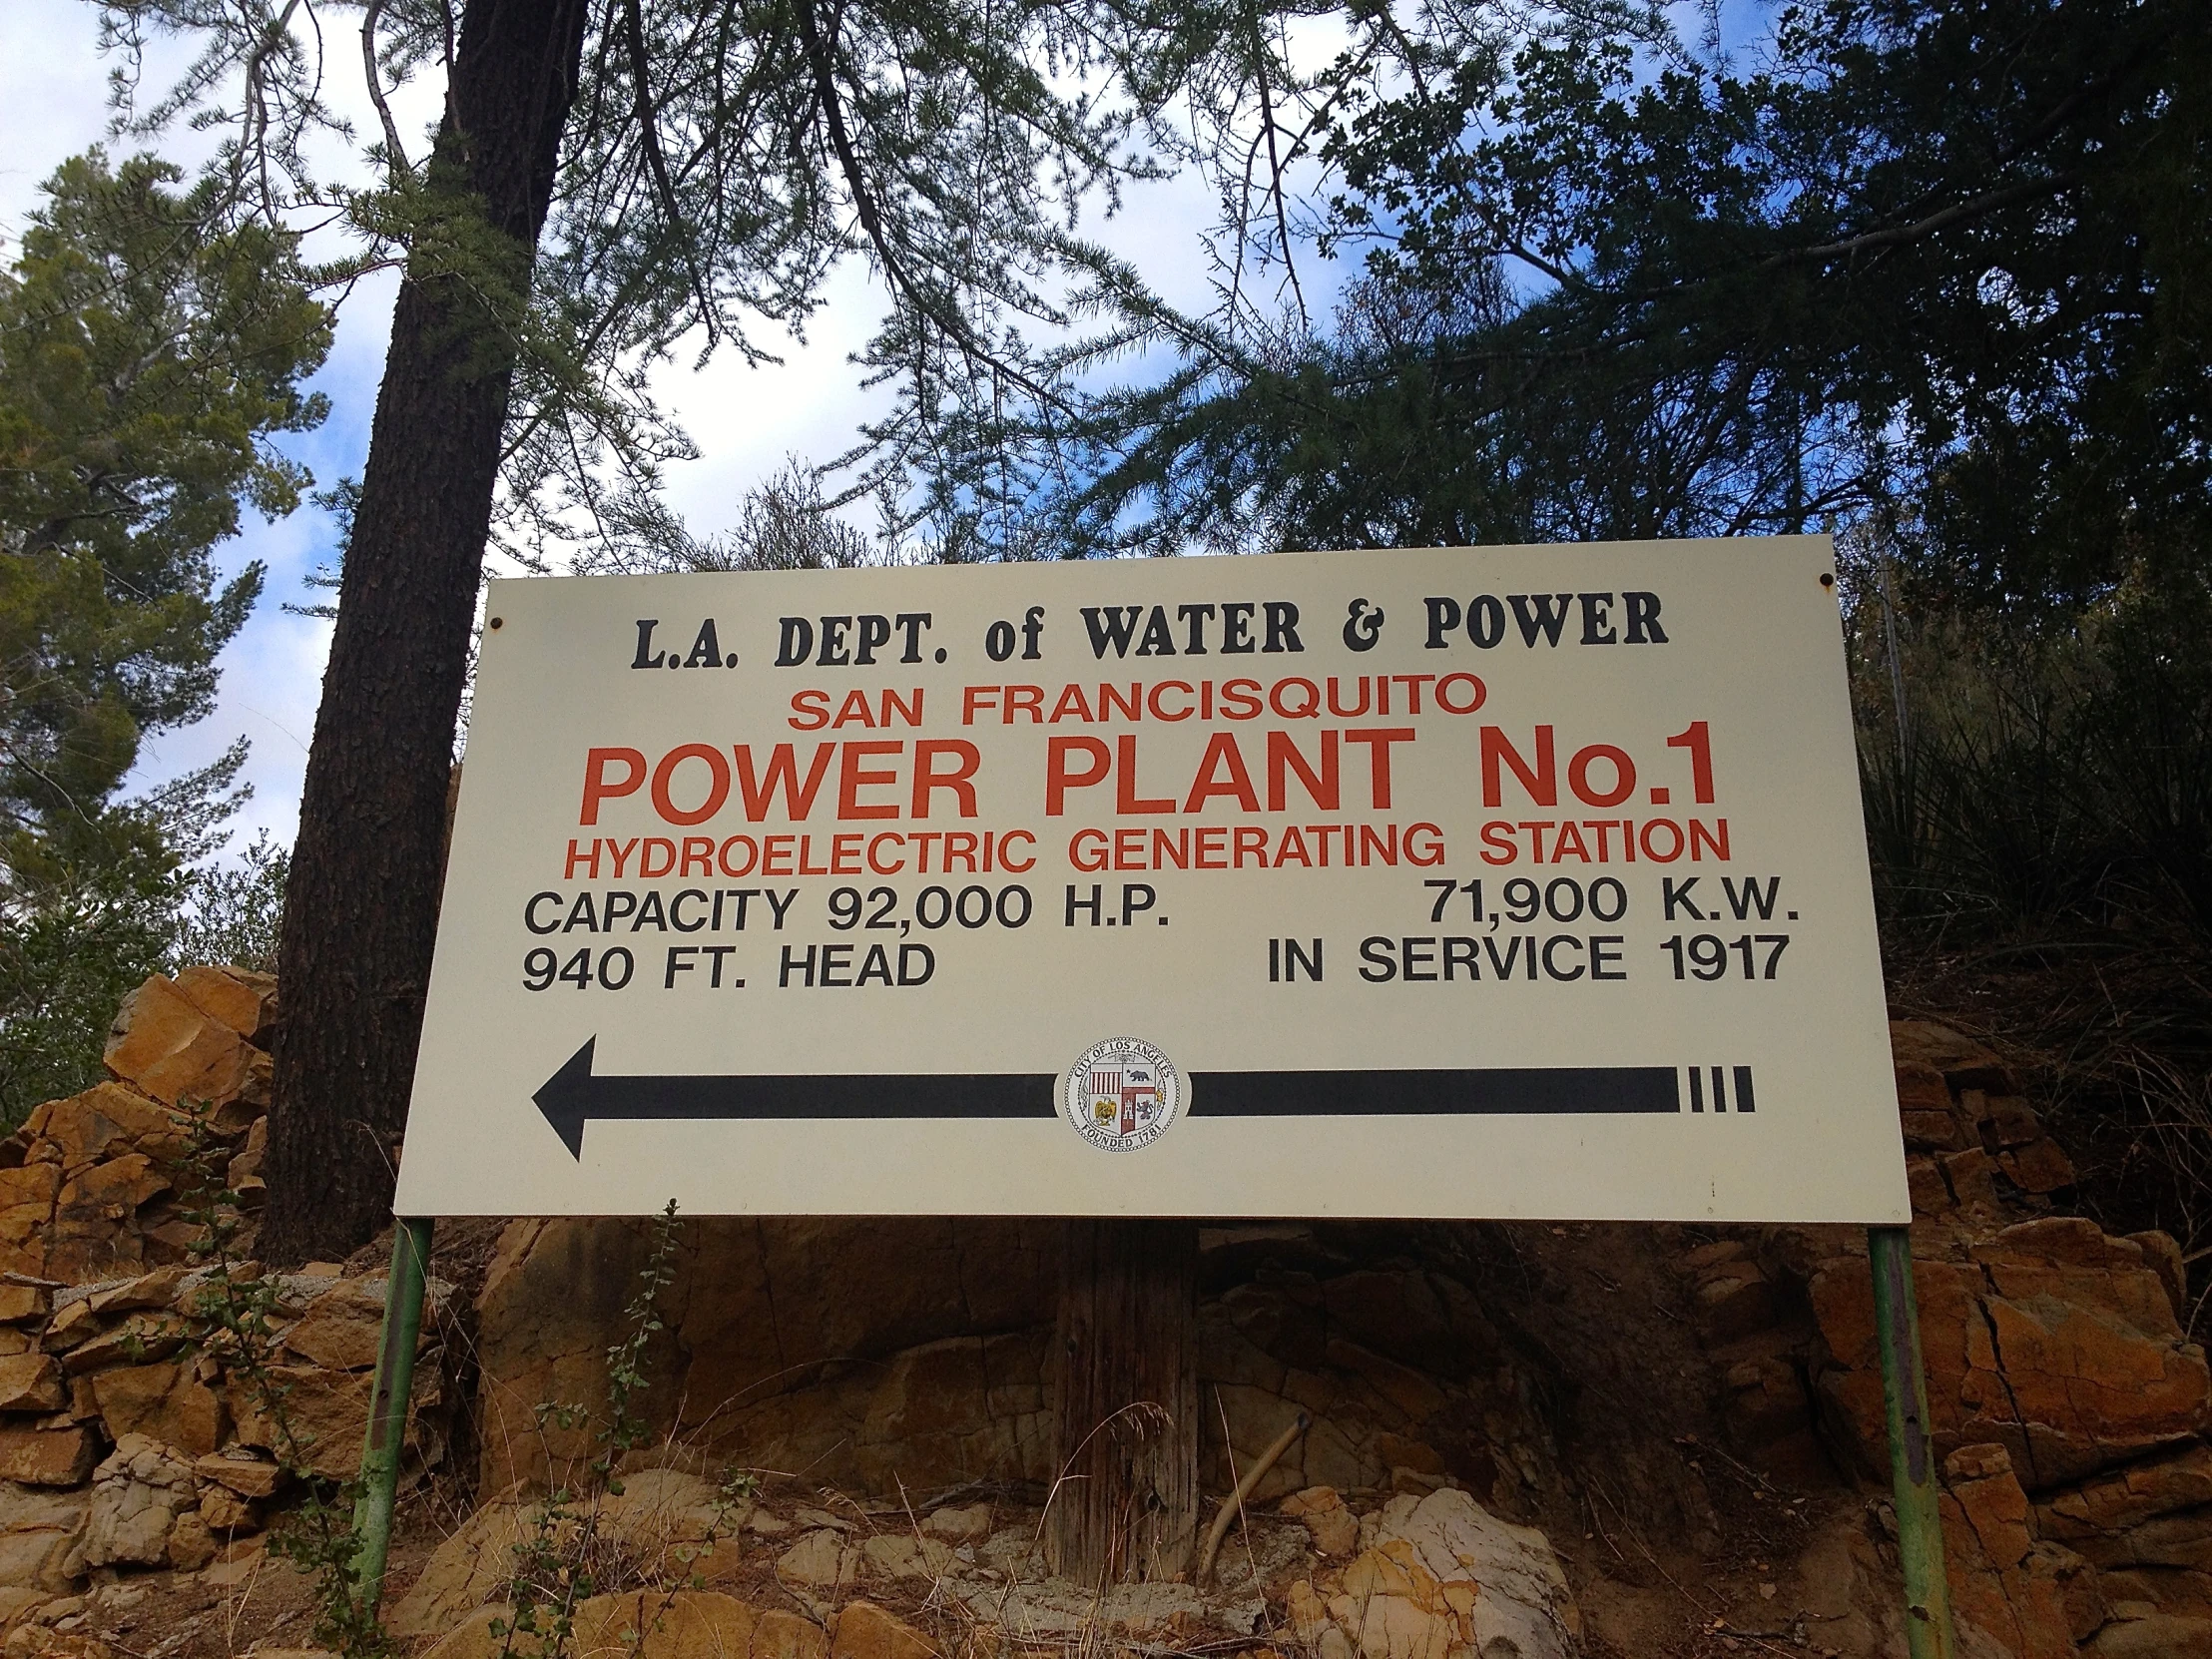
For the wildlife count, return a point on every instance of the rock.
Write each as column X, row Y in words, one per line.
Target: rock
column 172, row 1049
column 342, row 1328
column 46, row 1456
column 192, row 1544
column 327, row 1413
column 820, row 1559
column 465, row 1572
column 768, row 1306
column 960, row 1527
column 474, row 1638
column 247, row 1476
column 646, row 1624
column 1391, row 1609
column 225, row 1512
column 1443, row 1573
column 663, row 1624
column 1333, row 1531
column 1307, row 1613
column 240, row 1562
column 676, row 1524
column 30, row 1383
column 73, row 1324
column 240, row 998
column 26, row 1210
column 39, row 1641
column 37, row 1529
column 156, row 1289
column 782, row 1635
column 95, row 1228
column 901, row 1556
column 107, row 1121
column 866, row 1631
column 23, row 1304
column 245, row 1173
column 136, row 1338
column 1333, row 1528
column 2053, row 1340
column 2159, row 1637
column 1733, row 1300
column 1057, row 1608
column 137, row 1495
column 2006, row 1583
column 164, row 1403
column 2162, row 1250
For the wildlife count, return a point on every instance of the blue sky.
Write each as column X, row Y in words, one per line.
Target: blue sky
column 53, row 103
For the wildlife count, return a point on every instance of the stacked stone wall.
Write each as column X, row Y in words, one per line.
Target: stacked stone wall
column 134, row 1434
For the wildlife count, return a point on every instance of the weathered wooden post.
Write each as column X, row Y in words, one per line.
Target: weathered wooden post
column 1124, row 1504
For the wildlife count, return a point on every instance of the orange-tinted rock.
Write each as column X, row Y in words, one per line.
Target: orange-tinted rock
column 758, row 1309
column 24, row 1303
column 46, row 1456
column 162, row 1403
column 30, row 1383
column 26, row 1211
column 342, row 1328
column 94, row 1233
column 2034, row 1598
column 2162, row 1255
column 2129, row 1496
column 2038, row 1166
column 661, row 1624
column 247, row 1477
column 225, row 1512
column 327, row 1413
column 1733, row 1300
column 106, row 1121
column 1920, row 1088
column 74, row 1323
column 173, row 1049
column 2055, row 1342
column 1963, row 1062
column 863, row 1630
column 240, row 998
column 135, row 1338
column 782, row 1635
column 149, row 1291
column 245, row 1173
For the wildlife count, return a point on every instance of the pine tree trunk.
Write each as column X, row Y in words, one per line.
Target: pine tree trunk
column 1125, row 1503
column 360, row 910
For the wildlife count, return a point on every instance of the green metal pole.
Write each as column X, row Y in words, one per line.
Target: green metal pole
column 1897, row 1316
column 387, row 1406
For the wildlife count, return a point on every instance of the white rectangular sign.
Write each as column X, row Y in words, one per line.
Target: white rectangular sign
column 1507, row 883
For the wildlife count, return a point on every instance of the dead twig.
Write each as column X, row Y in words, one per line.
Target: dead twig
column 1233, row 1504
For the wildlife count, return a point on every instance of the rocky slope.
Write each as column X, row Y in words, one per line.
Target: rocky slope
column 1524, row 1439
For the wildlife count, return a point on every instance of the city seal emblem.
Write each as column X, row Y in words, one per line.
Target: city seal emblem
column 1122, row 1094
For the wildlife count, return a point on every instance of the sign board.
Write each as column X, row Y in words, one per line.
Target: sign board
column 1506, row 882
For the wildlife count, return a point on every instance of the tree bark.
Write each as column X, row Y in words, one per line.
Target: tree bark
column 360, row 909
column 1125, row 1502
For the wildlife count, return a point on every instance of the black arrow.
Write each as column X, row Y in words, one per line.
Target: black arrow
column 573, row 1097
